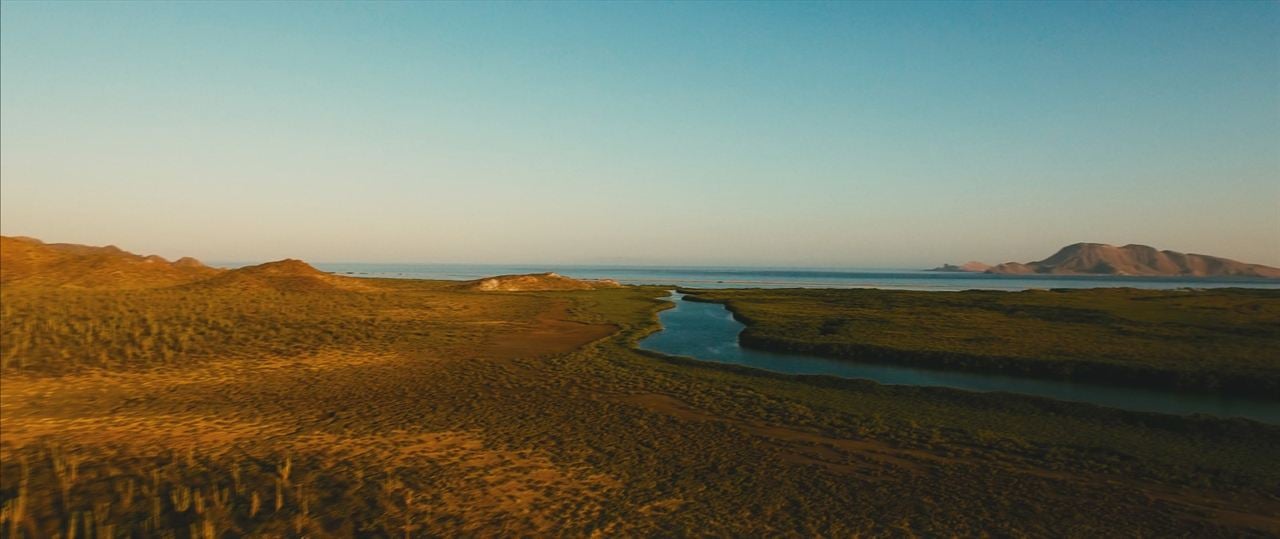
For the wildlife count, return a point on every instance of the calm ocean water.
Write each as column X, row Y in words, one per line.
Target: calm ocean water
column 739, row 277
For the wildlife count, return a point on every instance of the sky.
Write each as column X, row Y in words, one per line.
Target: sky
column 857, row 134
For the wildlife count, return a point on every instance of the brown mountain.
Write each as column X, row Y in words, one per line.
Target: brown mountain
column 536, row 281
column 1102, row 259
column 287, row 274
column 29, row 262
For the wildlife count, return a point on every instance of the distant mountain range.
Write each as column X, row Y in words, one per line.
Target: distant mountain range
column 1103, row 259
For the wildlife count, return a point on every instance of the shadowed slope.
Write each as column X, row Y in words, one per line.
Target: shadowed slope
column 29, row 262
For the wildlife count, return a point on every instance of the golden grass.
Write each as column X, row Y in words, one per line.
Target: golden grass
column 416, row 411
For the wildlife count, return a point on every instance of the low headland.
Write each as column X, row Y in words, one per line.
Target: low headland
column 536, row 282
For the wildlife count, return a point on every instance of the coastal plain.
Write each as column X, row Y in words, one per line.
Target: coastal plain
column 1206, row 340
column 278, row 407
column 639, row 269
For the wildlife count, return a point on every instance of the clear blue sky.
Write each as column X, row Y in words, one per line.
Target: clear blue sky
column 795, row 134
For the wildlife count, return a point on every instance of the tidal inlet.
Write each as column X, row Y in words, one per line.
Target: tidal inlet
column 758, row 269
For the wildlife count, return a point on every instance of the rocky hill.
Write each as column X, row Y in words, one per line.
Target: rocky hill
column 28, row 262
column 1102, row 259
column 536, row 281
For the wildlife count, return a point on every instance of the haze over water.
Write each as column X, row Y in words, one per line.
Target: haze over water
column 743, row 277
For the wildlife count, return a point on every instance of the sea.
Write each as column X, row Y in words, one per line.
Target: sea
column 764, row 277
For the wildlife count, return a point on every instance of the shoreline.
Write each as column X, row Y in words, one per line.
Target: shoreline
column 713, row 278
column 1078, row 370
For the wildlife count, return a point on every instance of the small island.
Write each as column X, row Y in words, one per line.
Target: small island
column 971, row 266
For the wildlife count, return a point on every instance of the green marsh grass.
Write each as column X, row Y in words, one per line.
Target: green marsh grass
column 1210, row 340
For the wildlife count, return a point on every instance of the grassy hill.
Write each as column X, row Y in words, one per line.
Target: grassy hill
column 288, row 275
column 28, row 262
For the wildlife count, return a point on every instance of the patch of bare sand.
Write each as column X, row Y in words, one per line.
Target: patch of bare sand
column 549, row 333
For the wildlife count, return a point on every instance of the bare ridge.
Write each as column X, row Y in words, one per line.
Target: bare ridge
column 1103, row 259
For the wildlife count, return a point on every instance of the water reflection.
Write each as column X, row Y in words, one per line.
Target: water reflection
column 707, row 331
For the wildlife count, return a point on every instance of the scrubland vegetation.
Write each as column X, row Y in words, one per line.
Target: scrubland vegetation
column 60, row 331
column 417, row 410
column 1214, row 340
